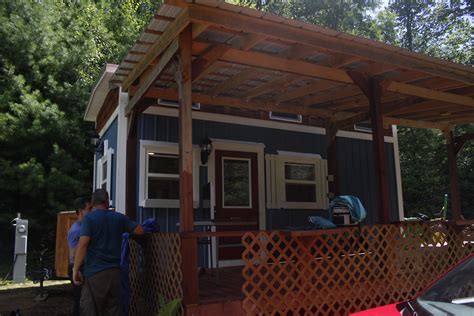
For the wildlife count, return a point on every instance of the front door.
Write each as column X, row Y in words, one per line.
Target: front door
column 236, row 199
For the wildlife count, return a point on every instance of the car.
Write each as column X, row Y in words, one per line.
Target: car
column 452, row 293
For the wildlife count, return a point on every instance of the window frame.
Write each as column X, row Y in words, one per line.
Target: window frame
column 275, row 117
column 107, row 158
column 276, row 168
column 163, row 148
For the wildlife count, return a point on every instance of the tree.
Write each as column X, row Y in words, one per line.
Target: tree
column 51, row 53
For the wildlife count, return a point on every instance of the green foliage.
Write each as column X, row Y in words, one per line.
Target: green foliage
column 170, row 308
column 51, row 53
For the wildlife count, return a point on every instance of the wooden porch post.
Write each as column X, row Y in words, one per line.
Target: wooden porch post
column 453, row 176
column 333, row 186
column 380, row 152
column 186, row 215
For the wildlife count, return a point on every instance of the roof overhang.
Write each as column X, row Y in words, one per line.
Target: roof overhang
column 252, row 60
column 99, row 93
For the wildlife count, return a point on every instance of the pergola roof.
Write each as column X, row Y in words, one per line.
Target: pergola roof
column 255, row 60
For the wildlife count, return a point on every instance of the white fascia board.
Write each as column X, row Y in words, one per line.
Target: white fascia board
column 99, row 93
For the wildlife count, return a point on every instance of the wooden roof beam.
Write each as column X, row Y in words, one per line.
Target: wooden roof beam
column 236, row 80
column 273, row 85
column 426, row 93
column 153, row 74
column 317, row 86
column 327, row 40
column 172, row 94
column 387, row 120
column 171, row 31
column 206, row 62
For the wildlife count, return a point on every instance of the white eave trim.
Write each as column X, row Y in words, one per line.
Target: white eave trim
column 99, row 93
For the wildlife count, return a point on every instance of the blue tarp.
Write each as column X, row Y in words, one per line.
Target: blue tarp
column 357, row 210
column 150, row 226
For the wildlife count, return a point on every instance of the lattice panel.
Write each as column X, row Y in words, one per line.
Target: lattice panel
column 155, row 270
column 346, row 271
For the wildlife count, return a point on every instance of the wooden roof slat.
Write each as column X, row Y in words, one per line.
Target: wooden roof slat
column 178, row 24
column 205, row 62
column 273, row 85
column 236, row 80
column 323, row 39
column 387, row 120
column 426, row 93
column 251, row 105
column 317, row 86
column 154, row 72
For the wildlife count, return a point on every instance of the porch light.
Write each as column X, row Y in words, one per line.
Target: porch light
column 206, row 148
column 95, row 141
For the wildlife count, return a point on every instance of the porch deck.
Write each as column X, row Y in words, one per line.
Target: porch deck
column 305, row 272
column 224, row 285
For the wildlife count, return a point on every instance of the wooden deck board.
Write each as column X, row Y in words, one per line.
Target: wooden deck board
column 227, row 287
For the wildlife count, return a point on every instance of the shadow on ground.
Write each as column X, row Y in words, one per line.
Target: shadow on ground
column 59, row 301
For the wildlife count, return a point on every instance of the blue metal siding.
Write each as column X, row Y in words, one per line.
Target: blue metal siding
column 111, row 136
column 355, row 160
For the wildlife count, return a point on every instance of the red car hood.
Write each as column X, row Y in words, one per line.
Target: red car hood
column 387, row 310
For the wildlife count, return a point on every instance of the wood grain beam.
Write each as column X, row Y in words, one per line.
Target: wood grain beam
column 426, row 93
column 232, row 102
column 343, row 43
column 274, row 85
column 172, row 30
column 153, row 74
column 387, row 120
column 311, row 88
column 375, row 91
column 205, row 62
column 236, row 80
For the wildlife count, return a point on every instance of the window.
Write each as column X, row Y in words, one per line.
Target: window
column 163, row 177
column 287, row 117
column 236, row 183
column 296, row 181
column 104, row 170
column 363, row 127
column 159, row 175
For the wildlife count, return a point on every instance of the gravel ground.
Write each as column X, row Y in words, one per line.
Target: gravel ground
column 22, row 297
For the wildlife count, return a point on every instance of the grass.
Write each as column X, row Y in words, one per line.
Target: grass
column 9, row 285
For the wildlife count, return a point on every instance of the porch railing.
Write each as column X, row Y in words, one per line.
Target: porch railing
column 154, row 272
column 339, row 271
column 330, row 272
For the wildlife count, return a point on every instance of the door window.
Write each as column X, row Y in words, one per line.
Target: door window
column 236, row 183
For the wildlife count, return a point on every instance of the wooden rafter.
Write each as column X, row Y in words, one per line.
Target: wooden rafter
column 206, row 62
column 176, row 26
column 236, row 80
column 273, row 85
column 322, row 39
column 387, row 120
column 460, row 141
column 153, row 73
column 233, row 102
column 425, row 93
column 318, row 86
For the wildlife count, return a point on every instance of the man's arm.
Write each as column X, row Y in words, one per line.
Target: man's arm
column 81, row 251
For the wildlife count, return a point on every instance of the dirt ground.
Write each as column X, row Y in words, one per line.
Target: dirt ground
column 22, row 298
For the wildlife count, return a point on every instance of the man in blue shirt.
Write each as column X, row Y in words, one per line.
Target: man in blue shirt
column 82, row 206
column 99, row 249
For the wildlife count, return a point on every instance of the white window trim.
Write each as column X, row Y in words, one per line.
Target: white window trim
column 106, row 158
column 274, row 116
column 276, row 189
column 168, row 148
